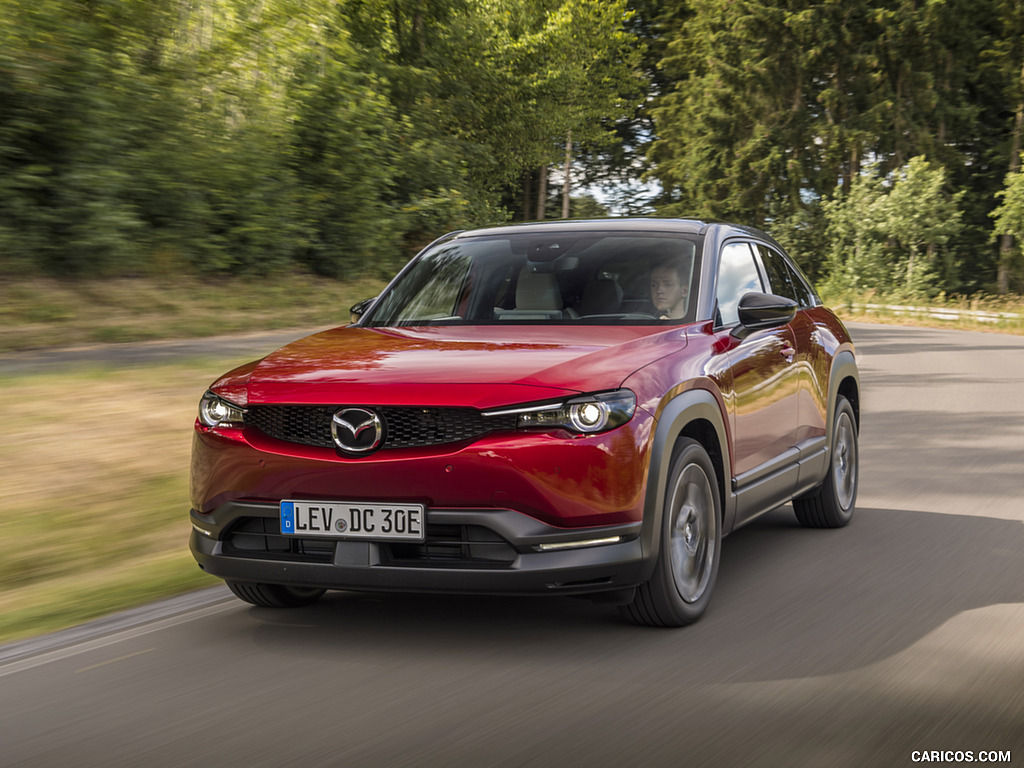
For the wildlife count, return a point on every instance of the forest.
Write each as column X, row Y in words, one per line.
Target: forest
column 878, row 140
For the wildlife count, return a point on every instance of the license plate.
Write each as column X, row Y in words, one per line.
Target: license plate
column 353, row 520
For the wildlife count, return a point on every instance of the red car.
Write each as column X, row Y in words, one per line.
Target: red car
column 566, row 408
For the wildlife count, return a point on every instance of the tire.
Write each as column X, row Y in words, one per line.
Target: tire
column 275, row 595
column 832, row 503
column 690, row 545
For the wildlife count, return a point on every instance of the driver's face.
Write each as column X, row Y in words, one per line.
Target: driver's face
column 667, row 293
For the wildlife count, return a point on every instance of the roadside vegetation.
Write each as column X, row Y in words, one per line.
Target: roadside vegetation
column 988, row 314
column 40, row 313
column 879, row 141
column 43, row 313
column 94, row 492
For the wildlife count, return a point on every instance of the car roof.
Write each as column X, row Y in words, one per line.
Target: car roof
column 631, row 224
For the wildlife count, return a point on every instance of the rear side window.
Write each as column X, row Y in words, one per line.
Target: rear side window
column 803, row 284
column 737, row 276
column 783, row 279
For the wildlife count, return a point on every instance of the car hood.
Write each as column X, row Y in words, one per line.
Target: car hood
column 479, row 366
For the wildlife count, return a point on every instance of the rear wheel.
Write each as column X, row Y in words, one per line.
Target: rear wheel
column 831, row 504
column 691, row 543
column 275, row 595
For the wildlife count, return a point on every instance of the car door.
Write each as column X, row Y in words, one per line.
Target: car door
column 813, row 362
column 811, row 359
column 763, row 388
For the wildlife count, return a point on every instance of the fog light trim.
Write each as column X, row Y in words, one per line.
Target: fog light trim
column 577, row 544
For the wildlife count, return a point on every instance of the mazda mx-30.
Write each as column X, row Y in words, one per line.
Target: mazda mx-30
column 565, row 408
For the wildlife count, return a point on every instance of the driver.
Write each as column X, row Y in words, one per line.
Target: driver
column 669, row 287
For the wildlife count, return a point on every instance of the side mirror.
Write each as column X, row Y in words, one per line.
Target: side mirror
column 765, row 310
column 356, row 311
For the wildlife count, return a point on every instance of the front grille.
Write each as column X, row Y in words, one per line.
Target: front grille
column 445, row 545
column 303, row 424
column 452, row 545
column 404, row 427
column 261, row 537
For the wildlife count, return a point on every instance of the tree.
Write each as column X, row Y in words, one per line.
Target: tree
column 921, row 218
column 1004, row 59
column 887, row 233
column 857, row 231
column 733, row 127
column 75, row 101
column 1009, row 225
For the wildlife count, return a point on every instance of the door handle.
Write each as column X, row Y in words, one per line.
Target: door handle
column 788, row 352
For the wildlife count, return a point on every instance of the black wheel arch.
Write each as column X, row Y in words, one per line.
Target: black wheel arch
column 697, row 414
column 844, row 379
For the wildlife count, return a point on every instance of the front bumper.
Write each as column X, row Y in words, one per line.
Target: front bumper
column 563, row 481
column 470, row 551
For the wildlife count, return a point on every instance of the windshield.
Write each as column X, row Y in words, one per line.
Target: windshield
column 559, row 278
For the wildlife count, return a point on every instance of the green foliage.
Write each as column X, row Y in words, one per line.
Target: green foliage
column 1009, row 227
column 1009, row 216
column 922, row 218
column 888, row 236
column 586, row 207
column 62, row 171
column 767, row 111
column 151, row 136
column 804, row 234
column 226, row 136
column 342, row 159
column 735, row 124
column 857, row 227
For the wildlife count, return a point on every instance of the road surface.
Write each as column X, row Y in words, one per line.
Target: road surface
column 900, row 634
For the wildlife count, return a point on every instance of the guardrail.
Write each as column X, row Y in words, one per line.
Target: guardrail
column 941, row 313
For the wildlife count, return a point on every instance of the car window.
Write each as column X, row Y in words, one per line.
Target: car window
column 802, row 284
column 540, row 278
column 737, row 276
column 783, row 279
column 433, row 288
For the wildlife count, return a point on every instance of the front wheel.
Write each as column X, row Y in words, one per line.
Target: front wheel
column 831, row 504
column 691, row 544
column 274, row 595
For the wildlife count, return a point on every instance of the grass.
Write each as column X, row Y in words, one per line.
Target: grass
column 94, row 463
column 855, row 308
column 94, row 492
column 39, row 313
column 42, row 312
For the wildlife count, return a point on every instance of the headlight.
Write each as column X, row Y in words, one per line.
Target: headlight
column 215, row 411
column 588, row 414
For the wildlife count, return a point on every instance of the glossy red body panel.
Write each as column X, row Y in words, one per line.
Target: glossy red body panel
column 820, row 336
column 602, row 483
column 764, row 397
column 554, row 477
column 479, row 366
column 233, row 386
column 713, row 360
column 686, row 367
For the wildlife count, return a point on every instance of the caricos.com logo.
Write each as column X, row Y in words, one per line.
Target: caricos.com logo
column 959, row 756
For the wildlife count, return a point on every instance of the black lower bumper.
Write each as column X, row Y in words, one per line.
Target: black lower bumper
column 502, row 554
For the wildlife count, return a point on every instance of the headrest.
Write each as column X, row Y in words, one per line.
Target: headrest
column 538, row 290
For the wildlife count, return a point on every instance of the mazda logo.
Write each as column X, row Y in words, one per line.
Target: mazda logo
column 357, row 430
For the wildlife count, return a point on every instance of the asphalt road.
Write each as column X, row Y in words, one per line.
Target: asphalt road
column 901, row 633
column 145, row 353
